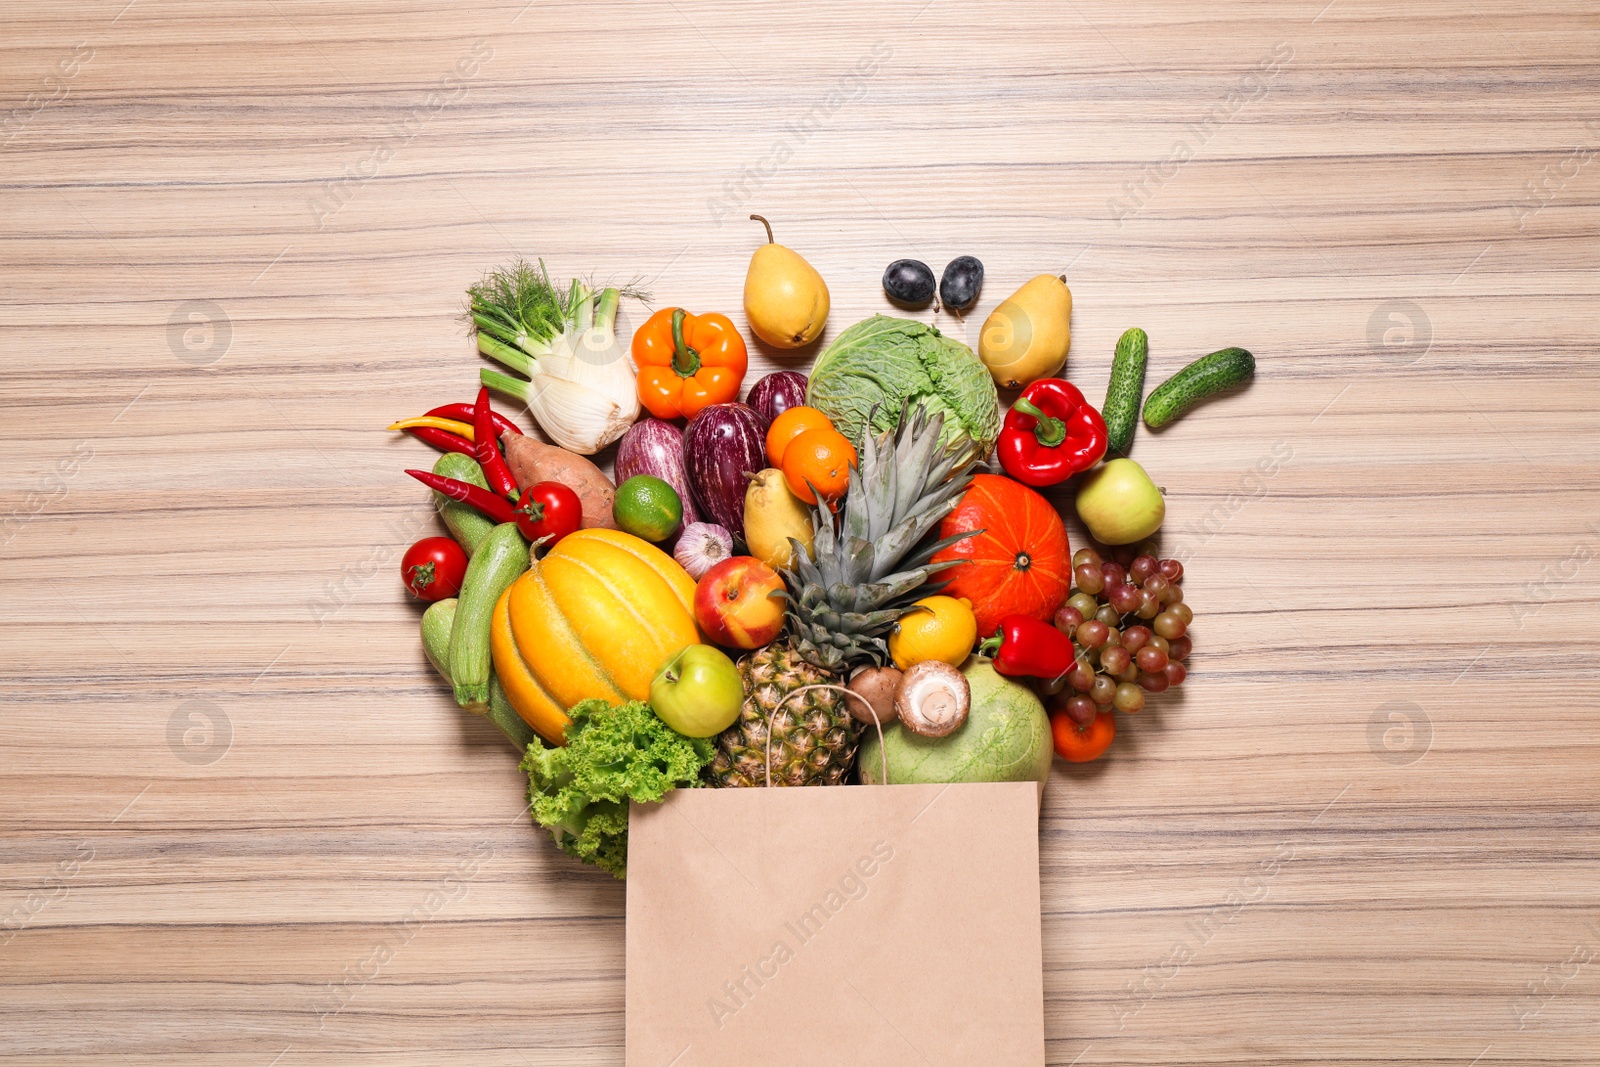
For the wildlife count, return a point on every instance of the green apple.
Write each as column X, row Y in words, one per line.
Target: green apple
column 1120, row 504
column 698, row 692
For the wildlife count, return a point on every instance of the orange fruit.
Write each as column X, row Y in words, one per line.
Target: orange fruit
column 819, row 458
column 790, row 424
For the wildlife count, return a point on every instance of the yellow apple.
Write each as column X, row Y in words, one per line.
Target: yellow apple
column 1120, row 504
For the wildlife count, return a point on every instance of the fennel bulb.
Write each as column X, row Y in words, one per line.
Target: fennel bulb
column 580, row 385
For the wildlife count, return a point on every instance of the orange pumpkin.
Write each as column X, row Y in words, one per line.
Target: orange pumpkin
column 1020, row 565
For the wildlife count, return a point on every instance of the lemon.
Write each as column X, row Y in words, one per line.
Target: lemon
column 946, row 631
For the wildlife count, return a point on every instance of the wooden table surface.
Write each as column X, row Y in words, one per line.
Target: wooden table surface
column 240, row 821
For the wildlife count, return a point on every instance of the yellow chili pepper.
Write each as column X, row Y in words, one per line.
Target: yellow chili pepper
column 461, row 429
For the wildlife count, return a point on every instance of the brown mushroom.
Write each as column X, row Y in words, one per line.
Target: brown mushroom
column 875, row 685
column 933, row 699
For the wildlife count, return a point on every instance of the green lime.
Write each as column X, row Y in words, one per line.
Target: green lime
column 647, row 507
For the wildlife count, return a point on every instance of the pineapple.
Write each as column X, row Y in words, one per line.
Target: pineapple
column 813, row 739
column 844, row 597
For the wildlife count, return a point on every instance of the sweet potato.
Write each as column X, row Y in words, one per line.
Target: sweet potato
column 534, row 461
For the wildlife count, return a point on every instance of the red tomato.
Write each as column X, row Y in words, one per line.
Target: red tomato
column 433, row 568
column 548, row 509
column 1080, row 744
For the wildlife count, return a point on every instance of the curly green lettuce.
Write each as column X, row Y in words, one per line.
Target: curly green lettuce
column 580, row 793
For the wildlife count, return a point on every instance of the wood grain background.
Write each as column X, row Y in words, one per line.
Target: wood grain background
column 241, row 823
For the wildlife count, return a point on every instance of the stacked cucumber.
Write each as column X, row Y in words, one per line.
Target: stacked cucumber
column 1205, row 377
column 1125, row 390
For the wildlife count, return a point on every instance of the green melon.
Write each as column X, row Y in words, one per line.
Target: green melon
column 1006, row 738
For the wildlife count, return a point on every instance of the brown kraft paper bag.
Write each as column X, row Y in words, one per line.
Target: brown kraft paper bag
column 878, row 925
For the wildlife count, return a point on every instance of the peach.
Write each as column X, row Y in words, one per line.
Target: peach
column 734, row 605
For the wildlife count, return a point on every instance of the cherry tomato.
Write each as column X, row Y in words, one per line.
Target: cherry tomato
column 549, row 510
column 433, row 568
column 1080, row 744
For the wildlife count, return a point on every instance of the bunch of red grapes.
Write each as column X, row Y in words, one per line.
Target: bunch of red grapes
column 1129, row 628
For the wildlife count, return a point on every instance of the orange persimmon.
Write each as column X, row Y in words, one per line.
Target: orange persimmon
column 790, row 424
column 819, row 459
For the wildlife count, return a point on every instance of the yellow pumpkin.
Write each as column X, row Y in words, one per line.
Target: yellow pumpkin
column 596, row 617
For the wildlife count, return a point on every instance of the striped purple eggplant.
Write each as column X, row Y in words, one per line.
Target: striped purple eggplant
column 653, row 446
column 721, row 445
column 777, row 393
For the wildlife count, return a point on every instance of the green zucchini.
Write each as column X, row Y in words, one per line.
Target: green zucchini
column 436, row 624
column 503, row 715
column 467, row 524
column 1125, row 390
column 1206, row 376
column 501, row 557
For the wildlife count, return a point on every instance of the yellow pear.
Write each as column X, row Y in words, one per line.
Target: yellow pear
column 1027, row 336
column 772, row 515
column 785, row 298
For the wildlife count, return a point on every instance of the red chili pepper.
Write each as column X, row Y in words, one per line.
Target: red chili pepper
column 443, row 440
column 1050, row 434
column 496, row 507
column 465, row 412
column 1027, row 647
column 487, row 445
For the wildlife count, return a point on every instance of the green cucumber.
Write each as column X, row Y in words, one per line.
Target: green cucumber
column 1206, row 376
column 1125, row 390
column 436, row 624
column 501, row 558
column 467, row 524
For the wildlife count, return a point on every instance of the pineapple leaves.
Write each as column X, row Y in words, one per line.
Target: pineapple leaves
column 868, row 564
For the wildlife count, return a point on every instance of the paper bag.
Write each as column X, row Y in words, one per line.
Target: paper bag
column 822, row 926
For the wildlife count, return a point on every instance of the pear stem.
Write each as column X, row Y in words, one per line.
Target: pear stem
column 768, row 225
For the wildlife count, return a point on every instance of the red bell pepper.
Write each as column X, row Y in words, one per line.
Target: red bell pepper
column 1025, row 647
column 1050, row 434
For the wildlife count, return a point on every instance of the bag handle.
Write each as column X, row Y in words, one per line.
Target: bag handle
column 883, row 750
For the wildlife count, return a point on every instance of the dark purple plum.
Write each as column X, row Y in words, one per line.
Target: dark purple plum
column 962, row 282
column 909, row 282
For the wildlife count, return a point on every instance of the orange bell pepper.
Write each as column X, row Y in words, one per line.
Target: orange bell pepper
column 687, row 362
